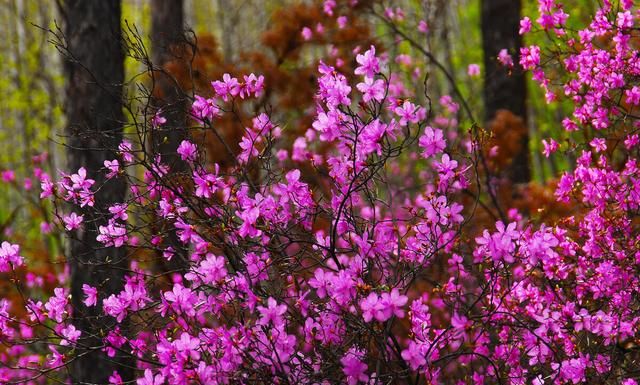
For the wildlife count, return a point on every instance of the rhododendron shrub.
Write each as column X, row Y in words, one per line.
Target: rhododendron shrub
column 378, row 273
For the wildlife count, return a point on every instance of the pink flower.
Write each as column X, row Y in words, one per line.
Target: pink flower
column 353, row 367
column 80, row 181
column 624, row 20
column 180, row 299
column 119, row 212
column 372, row 308
column 414, row 355
column 149, row 379
column 525, row 26
column 115, row 379
column 504, row 58
column 530, row 57
column 371, row 90
column 112, row 234
column 56, row 306
column 9, row 257
column 272, row 313
column 47, row 189
column 72, row 221
column 187, row 151
column 8, row 176
column 407, row 113
column 306, row 33
column 56, row 359
column 227, row 87
column 92, row 295
column 633, row 95
column 210, row 271
column 549, row 147
column 115, row 307
column 113, row 168
column 392, row 303
column 369, row 64
column 342, row 22
column 158, row 119
column 432, row 142
column 249, row 149
column 599, row 144
column 252, row 85
column 204, row 109
column 473, row 70
column 423, row 27
column 70, row 334
column 125, row 149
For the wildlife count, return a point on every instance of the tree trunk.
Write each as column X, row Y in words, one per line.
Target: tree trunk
column 167, row 28
column 505, row 88
column 94, row 68
column 169, row 45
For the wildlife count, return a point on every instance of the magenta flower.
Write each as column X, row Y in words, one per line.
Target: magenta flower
column 8, row 176
column 91, row 294
column 70, row 334
column 371, row 89
column 158, row 120
column 633, row 95
column 525, row 25
column 56, row 359
column 353, row 367
column 204, row 109
column 9, row 257
column 549, row 147
column 57, row 305
column 432, row 142
column 72, row 221
column 473, row 70
column 392, row 303
column 369, row 64
column 113, row 168
column 112, row 234
column 530, row 57
column 372, row 308
column 306, row 33
column 227, row 87
column 504, row 58
column 115, row 379
column 408, row 113
column 187, row 151
column 272, row 314
column 150, row 379
column 414, row 355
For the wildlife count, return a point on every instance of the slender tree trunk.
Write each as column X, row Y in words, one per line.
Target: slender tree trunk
column 168, row 44
column 94, row 69
column 167, row 35
column 167, row 28
column 505, row 89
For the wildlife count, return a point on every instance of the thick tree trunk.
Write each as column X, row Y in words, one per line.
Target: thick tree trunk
column 503, row 88
column 94, row 67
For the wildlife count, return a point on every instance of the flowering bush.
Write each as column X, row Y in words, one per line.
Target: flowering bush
column 368, row 269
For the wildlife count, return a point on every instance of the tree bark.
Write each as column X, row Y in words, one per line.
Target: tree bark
column 168, row 44
column 94, row 69
column 167, row 28
column 169, row 50
column 505, row 88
